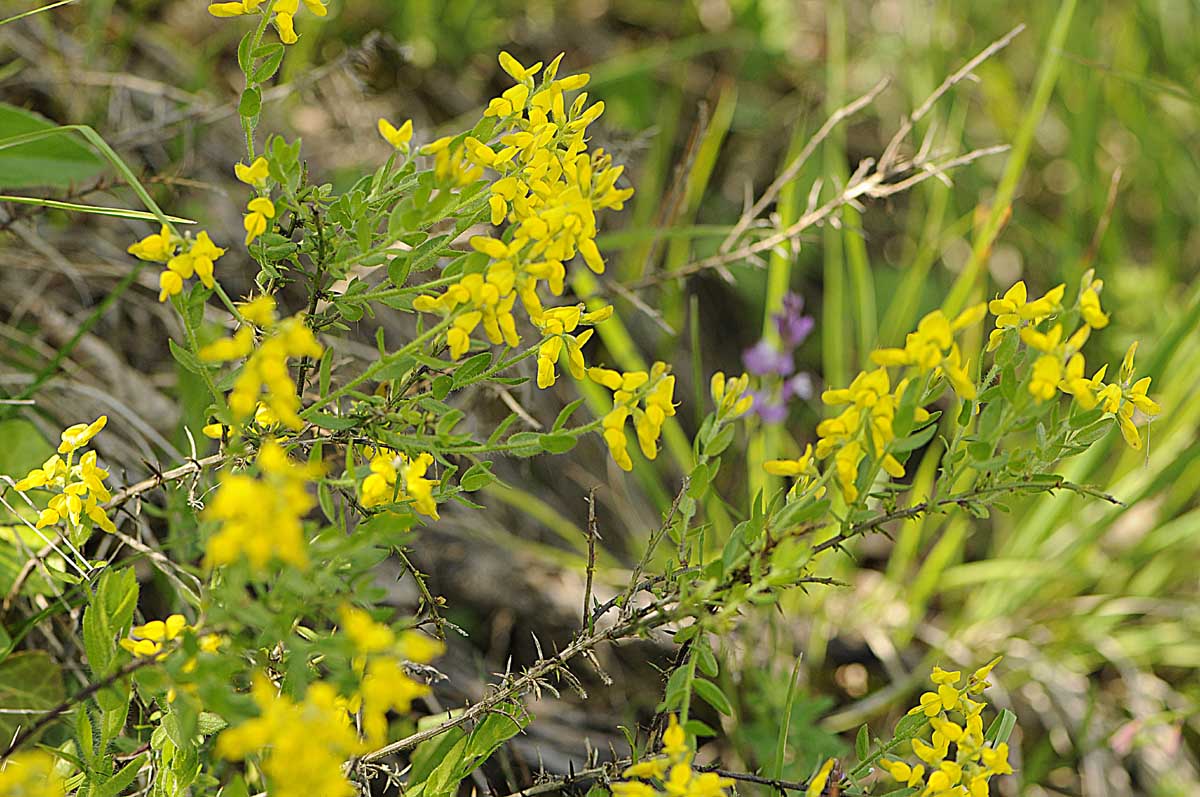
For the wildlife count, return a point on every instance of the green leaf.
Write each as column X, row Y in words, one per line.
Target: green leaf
column 245, row 60
column 120, row 781
column 563, row 416
column 711, row 694
column 185, row 358
column 719, row 441
column 1001, row 727
column 250, row 104
column 557, row 443
column 524, row 444
column 108, row 615
column 32, row 680
column 471, row 369
column 477, row 477
column 334, row 422
column 914, row 440
column 705, row 660
column 425, row 255
column 58, row 161
column 272, row 57
column 862, row 743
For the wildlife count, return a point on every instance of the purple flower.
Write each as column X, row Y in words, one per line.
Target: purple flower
column 770, row 411
column 763, row 358
column 799, row 386
column 791, row 323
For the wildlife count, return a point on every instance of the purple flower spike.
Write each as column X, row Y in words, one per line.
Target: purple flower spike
column 762, row 358
column 793, row 326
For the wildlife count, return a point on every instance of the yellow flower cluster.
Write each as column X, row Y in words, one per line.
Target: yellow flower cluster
column 266, row 369
column 1060, row 366
column 262, row 518
column 865, row 426
column 148, row 641
column 396, row 477
column 956, row 720
column 654, row 390
column 549, row 190
column 730, row 396
column 932, row 348
column 284, row 10
column 78, row 486
column 31, row 774
column 183, row 256
column 871, row 411
column 385, row 685
column 302, row 745
column 671, row 773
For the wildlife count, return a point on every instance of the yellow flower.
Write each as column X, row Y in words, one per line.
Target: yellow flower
column 147, row 640
column 396, row 478
column 234, row 9
column 730, row 396
column 941, row 676
column 385, row 688
column 513, row 67
column 909, row 776
column 816, row 786
column 658, row 389
column 266, row 369
column 996, row 759
column 791, row 467
column 1047, row 373
column 649, row 768
column 260, row 210
column 155, row 248
column 367, row 635
column 398, row 137
column 31, row 774
column 302, row 746
column 674, row 740
column 262, row 518
column 633, row 788
column 1131, row 397
column 1012, row 310
column 77, row 436
column 1089, row 301
column 255, row 174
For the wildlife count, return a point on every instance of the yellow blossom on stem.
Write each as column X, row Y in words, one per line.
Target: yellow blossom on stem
column 260, row 211
column 184, row 257
column 146, row 641
column 398, row 137
column 671, row 774
column 302, row 746
column 265, row 373
column 656, row 389
column 397, row 478
column 78, row 486
column 1133, row 396
column 261, row 518
column 1014, row 310
column 730, row 396
column 255, row 174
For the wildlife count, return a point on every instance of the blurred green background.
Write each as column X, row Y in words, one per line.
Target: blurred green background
column 1094, row 607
